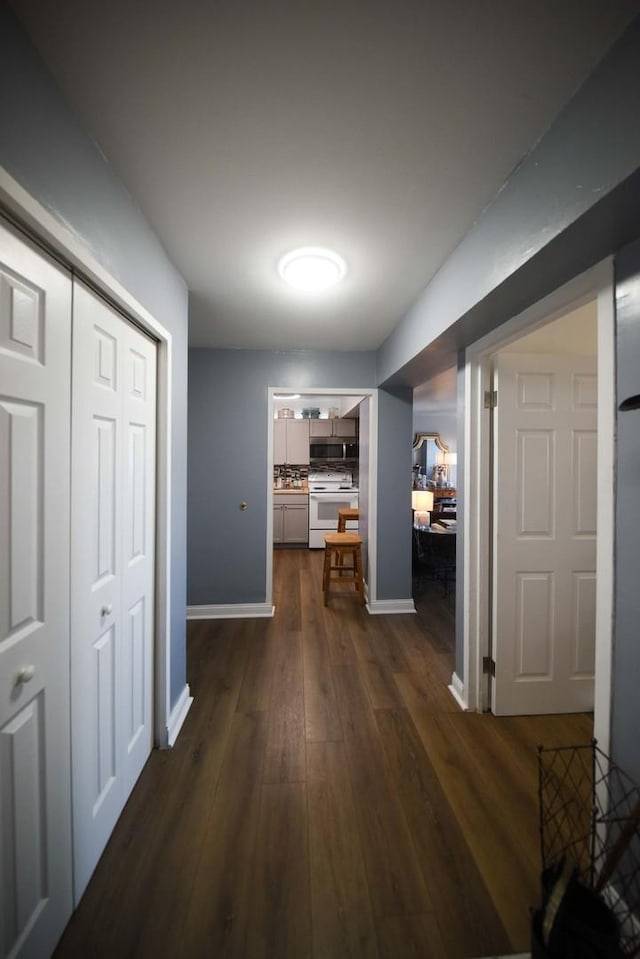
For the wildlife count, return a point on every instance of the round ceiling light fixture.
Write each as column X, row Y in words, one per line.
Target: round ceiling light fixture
column 312, row 269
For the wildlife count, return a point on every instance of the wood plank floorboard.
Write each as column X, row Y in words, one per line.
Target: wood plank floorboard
column 220, row 907
column 453, row 880
column 412, row 937
column 341, row 907
column 336, row 626
column 322, row 719
column 257, row 682
column 285, row 759
column 326, row 797
column 395, row 879
column 280, row 923
column 506, row 871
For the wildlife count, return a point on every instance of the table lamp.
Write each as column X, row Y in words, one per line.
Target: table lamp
column 450, row 459
column 422, row 501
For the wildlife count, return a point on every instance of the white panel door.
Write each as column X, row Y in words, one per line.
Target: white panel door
column 35, row 801
column 112, row 563
column 544, row 546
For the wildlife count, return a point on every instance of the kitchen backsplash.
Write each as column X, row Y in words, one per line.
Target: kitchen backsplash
column 297, row 477
column 290, row 477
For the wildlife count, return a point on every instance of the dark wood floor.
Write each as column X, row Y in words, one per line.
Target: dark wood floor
column 325, row 798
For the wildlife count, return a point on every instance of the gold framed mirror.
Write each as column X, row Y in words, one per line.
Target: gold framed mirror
column 421, row 438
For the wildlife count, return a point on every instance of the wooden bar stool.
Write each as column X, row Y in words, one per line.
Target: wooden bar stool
column 337, row 547
column 344, row 515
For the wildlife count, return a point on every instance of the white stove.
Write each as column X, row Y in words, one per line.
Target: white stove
column 331, row 481
column 329, row 491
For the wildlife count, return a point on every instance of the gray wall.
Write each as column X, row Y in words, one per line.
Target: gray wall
column 44, row 149
column 364, row 466
column 228, row 412
column 395, row 412
column 434, row 421
column 570, row 203
column 626, row 665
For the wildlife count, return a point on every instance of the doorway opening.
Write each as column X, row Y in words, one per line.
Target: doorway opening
column 435, row 517
column 367, row 402
column 595, row 287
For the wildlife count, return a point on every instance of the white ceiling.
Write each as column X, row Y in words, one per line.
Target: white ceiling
column 243, row 128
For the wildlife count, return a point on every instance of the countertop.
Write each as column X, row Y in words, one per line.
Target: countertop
column 291, row 492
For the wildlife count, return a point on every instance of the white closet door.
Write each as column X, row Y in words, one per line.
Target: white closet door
column 113, row 519
column 35, row 802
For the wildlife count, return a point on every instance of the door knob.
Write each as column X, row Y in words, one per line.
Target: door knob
column 25, row 674
column 106, row 610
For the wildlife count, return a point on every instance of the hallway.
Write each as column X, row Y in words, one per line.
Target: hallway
column 325, row 798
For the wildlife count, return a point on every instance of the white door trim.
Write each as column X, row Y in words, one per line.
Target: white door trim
column 371, row 394
column 44, row 228
column 595, row 282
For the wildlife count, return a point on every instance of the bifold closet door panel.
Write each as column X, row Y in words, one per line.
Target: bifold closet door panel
column 35, row 800
column 112, row 564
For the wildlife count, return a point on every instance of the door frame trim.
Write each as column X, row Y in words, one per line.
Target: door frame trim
column 595, row 283
column 45, row 230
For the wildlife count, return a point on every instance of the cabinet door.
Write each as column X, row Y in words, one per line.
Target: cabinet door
column 296, row 523
column 298, row 442
column 336, row 427
column 278, row 524
column 320, row 427
column 279, row 442
column 35, row 776
column 344, row 427
column 113, row 569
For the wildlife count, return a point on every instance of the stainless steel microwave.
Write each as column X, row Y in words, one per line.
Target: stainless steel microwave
column 333, row 449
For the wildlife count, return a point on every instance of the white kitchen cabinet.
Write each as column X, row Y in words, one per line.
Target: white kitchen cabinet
column 335, row 427
column 290, row 519
column 291, row 442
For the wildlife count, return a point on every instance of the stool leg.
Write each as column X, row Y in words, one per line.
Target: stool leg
column 326, row 574
column 335, row 568
column 357, row 560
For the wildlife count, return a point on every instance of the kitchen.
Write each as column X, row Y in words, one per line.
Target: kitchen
column 315, row 466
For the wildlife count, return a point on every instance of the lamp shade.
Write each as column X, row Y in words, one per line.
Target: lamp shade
column 421, row 500
column 451, row 459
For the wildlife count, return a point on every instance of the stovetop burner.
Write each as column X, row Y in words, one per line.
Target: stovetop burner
column 331, row 481
column 328, row 488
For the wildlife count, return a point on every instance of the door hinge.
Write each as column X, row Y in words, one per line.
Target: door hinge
column 490, row 399
column 488, row 665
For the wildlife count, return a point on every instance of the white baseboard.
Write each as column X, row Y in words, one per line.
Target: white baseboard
column 231, row 611
column 391, row 606
column 178, row 715
column 457, row 691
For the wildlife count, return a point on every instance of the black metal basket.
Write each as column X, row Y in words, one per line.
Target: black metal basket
column 590, row 815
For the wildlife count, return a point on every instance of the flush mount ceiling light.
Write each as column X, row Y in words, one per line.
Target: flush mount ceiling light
column 312, row 269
